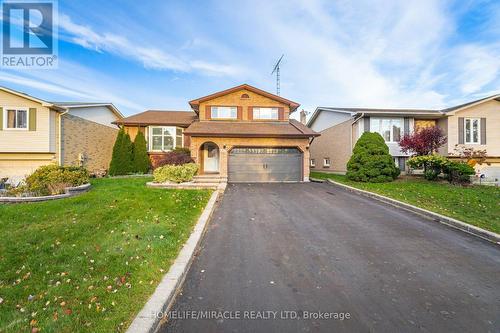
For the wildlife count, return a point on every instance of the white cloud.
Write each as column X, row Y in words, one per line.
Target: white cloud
column 149, row 57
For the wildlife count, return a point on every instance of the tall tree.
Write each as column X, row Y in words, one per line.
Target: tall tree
column 128, row 154
column 140, row 158
column 114, row 166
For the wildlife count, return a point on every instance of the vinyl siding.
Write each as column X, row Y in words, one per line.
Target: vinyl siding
column 489, row 110
column 40, row 141
column 99, row 114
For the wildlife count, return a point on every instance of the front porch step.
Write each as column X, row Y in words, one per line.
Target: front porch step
column 209, row 179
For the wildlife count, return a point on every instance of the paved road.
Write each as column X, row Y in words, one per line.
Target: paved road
column 318, row 248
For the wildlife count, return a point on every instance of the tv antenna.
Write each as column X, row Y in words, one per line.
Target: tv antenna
column 276, row 70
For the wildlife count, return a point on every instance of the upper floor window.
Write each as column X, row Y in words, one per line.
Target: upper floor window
column 164, row 138
column 389, row 128
column 472, row 130
column 265, row 113
column 224, row 112
column 16, row 118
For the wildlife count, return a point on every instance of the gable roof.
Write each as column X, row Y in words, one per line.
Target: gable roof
column 277, row 129
column 195, row 103
column 110, row 106
column 160, row 117
column 473, row 103
column 34, row 99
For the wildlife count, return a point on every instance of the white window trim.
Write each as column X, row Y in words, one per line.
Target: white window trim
column 223, row 106
column 17, row 108
column 471, row 133
column 391, row 133
column 325, row 164
column 312, row 163
column 150, row 138
column 265, row 107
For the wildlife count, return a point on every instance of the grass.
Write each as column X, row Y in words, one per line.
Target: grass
column 476, row 205
column 90, row 263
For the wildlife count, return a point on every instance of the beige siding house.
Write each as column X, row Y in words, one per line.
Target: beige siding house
column 34, row 132
column 475, row 124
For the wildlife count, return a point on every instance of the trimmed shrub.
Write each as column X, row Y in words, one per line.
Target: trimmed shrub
column 432, row 165
column 122, row 158
column 176, row 157
column 458, row 172
column 141, row 158
column 371, row 161
column 175, row 173
column 53, row 179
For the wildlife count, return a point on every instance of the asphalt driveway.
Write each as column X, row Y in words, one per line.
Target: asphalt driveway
column 277, row 253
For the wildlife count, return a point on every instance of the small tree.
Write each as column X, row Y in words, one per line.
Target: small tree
column 141, row 158
column 371, row 161
column 121, row 160
column 423, row 142
column 470, row 155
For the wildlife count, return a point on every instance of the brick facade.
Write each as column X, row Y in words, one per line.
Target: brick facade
column 85, row 138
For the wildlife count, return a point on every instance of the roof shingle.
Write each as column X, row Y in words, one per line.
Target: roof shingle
column 157, row 117
column 275, row 129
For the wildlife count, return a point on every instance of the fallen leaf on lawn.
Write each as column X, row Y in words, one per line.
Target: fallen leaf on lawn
column 63, row 303
column 33, row 322
column 68, row 311
column 55, row 316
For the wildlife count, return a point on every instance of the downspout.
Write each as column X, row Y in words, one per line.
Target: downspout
column 354, row 122
column 60, row 136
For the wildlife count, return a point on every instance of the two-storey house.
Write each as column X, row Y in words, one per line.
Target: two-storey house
column 242, row 134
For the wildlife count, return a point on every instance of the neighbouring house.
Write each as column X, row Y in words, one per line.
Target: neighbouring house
column 242, row 134
column 475, row 124
column 34, row 132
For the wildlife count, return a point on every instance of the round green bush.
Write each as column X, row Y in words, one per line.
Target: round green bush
column 371, row 161
column 458, row 172
column 53, row 179
column 175, row 173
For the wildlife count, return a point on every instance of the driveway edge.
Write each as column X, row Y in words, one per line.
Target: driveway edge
column 162, row 299
column 449, row 221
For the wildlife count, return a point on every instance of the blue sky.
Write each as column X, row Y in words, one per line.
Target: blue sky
column 161, row 54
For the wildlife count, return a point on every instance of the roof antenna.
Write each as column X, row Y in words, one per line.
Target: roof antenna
column 277, row 70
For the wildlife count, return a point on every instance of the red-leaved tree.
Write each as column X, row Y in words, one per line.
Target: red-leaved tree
column 424, row 141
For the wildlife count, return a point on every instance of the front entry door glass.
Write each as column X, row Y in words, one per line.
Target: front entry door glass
column 211, row 158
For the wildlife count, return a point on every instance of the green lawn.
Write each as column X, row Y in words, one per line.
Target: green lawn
column 91, row 262
column 476, row 205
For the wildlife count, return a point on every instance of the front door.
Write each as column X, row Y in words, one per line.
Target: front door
column 211, row 163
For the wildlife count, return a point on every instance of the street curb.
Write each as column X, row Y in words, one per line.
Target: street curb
column 316, row 180
column 449, row 221
column 163, row 298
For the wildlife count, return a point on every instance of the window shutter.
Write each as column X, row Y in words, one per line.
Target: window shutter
column 32, row 115
column 406, row 126
column 281, row 113
column 483, row 131
column 1, row 119
column 250, row 112
column 208, row 112
column 366, row 123
column 460, row 130
column 240, row 113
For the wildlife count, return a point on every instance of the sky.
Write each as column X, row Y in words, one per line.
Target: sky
column 160, row 54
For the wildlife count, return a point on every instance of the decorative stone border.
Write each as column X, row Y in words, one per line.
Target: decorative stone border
column 152, row 313
column 69, row 192
column 189, row 186
column 449, row 221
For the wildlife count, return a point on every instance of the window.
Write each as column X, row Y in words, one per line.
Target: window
column 265, row 113
column 472, row 130
column 326, row 162
column 224, row 112
column 245, row 96
column 389, row 128
column 163, row 138
column 312, row 163
column 16, row 118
